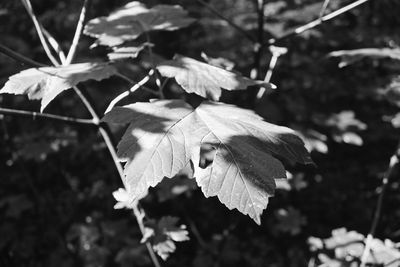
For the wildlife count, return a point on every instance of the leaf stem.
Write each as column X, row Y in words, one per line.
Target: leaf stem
column 54, row 44
column 28, row 6
column 129, row 80
column 131, row 90
column 229, row 21
column 394, row 160
column 78, row 33
column 34, row 115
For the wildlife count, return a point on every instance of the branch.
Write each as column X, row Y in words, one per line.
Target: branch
column 28, row 6
column 35, row 115
column 230, row 22
column 394, row 160
column 108, row 140
column 78, row 33
column 19, row 57
column 316, row 22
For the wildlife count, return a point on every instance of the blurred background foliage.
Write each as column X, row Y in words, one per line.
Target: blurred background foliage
column 56, row 180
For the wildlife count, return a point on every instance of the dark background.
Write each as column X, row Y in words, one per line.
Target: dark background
column 56, row 180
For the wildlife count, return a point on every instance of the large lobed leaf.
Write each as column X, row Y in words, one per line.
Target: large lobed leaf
column 165, row 135
column 133, row 19
column 204, row 79
column 47, row 82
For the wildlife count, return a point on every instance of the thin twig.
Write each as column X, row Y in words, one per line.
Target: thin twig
column 78, row 33
column 19, row 57
column 34, row 115
column 276, row 53
column 28, row 6
column 54, row 44
column 229, row 21
column 130, row 91
column 394, row 160
column 316, row 22
column 323, row 9
column 256, row 71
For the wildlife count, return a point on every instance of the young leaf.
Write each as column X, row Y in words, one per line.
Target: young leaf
column 163, row 136
column 163, row 235
column 120, row 53
column 204, row 79
column 133, row 19
column 47, row 82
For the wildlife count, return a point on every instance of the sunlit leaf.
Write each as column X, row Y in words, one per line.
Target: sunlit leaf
column 133, row 19
column 163, row 136
column 47, row 82
column 204, row 79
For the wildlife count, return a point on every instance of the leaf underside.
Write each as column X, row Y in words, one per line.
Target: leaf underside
column 133, row 19
column 47, row 82
column 204, row 79
column 165, row 135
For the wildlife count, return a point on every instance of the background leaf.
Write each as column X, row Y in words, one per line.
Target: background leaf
column 133, row 19
column 204, row 79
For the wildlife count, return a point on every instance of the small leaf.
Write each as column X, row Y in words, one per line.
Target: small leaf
column 163, row 136
column 121, row 53
column 163, row 234
column 124, row 199
column 133, row 19
column 47, row 82
column 204, row 79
